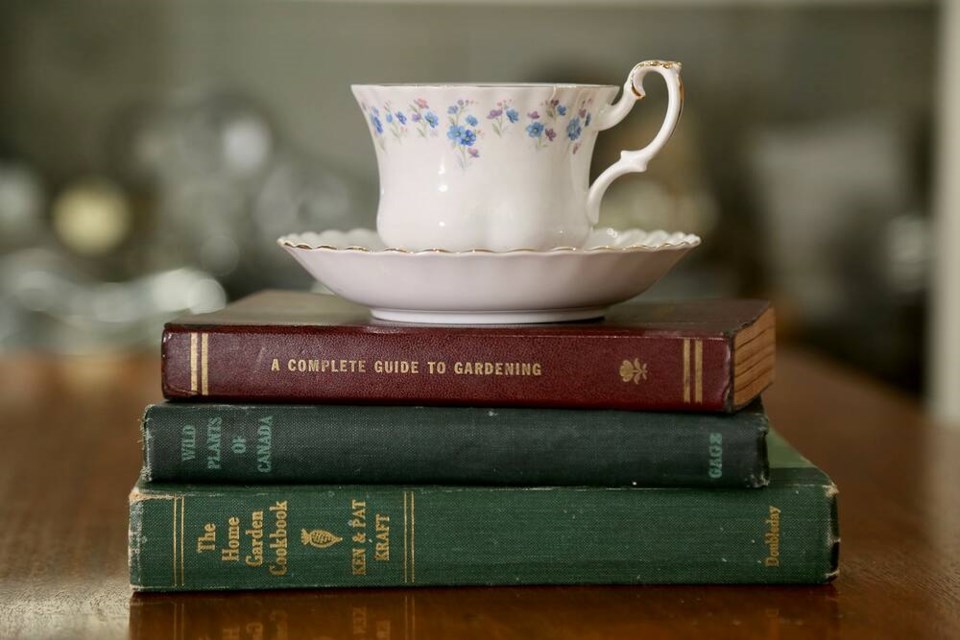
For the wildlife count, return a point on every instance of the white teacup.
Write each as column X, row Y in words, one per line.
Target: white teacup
column 500, row 167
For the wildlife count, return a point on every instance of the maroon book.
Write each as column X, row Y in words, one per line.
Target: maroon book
column 283, row 346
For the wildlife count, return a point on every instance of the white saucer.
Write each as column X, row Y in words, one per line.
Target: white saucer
column 486, row 287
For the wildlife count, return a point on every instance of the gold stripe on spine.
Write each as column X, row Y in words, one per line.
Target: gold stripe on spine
column 183, row 507
column 686, row 370
column 204, row 343
column 175, row 548
column 405, row 545
column 413, row 539
column 698, row 371
column 193, row 363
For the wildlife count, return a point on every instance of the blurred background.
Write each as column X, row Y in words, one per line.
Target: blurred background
column 151, row 151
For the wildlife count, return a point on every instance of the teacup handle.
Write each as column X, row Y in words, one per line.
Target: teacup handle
column 636, row 161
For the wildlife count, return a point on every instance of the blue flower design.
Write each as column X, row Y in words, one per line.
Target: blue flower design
column 461, row 135
column 467, row 123
column 455, row 132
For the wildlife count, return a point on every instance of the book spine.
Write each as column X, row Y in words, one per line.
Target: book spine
column 647, row 371
column 185, row 537
column 341, row 444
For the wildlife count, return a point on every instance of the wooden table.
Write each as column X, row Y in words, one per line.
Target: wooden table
column 69, row 453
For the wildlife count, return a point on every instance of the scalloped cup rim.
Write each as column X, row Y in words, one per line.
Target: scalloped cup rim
column 482, row 85
column 672, row 241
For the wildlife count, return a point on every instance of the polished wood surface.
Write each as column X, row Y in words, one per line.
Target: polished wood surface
column 70, row 453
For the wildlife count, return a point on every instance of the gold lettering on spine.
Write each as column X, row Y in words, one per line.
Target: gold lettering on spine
column 698, row 371
column 686, row 370
column 205, row 389
column 193, row 363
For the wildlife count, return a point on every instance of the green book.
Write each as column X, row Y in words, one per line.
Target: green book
column 360, row 444
column 201, row 537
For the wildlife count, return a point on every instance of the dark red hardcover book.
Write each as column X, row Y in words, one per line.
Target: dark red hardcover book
column 284, row 346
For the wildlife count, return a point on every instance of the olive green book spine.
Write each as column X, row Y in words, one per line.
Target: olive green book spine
column 344, row 444
column 185, row 537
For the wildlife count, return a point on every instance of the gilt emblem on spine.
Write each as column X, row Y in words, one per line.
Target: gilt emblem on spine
column 318, row 538
column 633, row 371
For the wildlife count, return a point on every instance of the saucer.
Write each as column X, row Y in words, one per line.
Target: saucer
column 486, row 287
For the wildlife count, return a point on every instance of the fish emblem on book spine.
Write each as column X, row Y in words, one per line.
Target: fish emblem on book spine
column 318, row 538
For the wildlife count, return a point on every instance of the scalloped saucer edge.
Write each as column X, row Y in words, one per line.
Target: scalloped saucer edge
column 487, row 287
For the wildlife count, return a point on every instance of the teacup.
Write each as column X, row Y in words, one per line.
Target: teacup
column 500, row 167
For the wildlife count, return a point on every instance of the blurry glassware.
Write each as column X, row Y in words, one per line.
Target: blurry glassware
column 48, row 304
column 92, row 217
column 829, row 189
column 197, row 132
column 224, row 185
column 845, row 263
column 22, row 199
column 299, row 195
column 909, row 249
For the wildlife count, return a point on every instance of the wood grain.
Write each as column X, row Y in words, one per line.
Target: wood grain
column 70, row 454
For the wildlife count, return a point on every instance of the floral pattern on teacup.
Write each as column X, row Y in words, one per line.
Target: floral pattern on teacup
column 396, row 121
column 577, row 123
column 425, row 120
column 550, row 122
column 543, row 127
column 463, row 131
column 376, row 124
column 502, row 116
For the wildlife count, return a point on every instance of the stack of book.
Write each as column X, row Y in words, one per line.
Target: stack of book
column 305, row 445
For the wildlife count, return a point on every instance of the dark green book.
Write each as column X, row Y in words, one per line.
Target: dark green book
column 193, row 537
column 337, row 444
